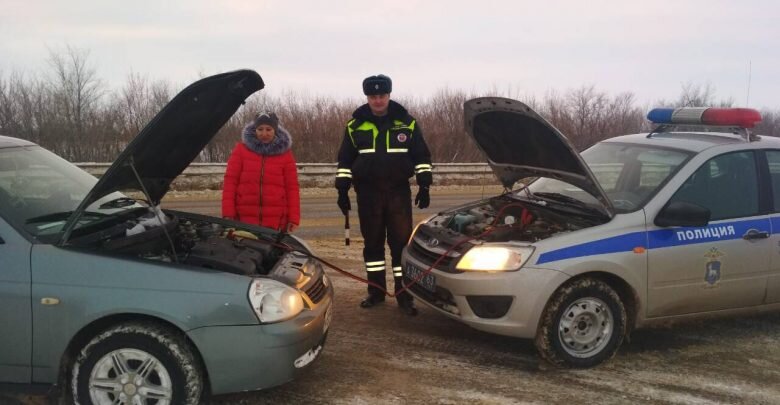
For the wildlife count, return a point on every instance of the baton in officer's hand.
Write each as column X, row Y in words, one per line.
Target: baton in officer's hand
column 346, row 228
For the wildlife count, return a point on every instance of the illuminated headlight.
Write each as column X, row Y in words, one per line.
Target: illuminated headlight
column 274, row 301
column 494, row 258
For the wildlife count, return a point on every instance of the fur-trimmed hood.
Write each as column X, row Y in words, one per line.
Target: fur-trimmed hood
column 281, row 143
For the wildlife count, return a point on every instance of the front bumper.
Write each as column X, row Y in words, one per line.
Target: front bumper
column 255, row 357
column 529, row 288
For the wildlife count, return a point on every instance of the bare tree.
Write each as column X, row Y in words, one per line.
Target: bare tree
column 70, row 111
column 697, row 95
column 770, row 123
column 77, row 92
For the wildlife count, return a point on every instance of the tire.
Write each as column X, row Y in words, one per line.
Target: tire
column 582, row 326
column 158, row 366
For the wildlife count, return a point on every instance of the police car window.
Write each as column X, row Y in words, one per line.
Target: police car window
column 773, row 157
column 607, row 174
column 629, row 174
column 727, row 185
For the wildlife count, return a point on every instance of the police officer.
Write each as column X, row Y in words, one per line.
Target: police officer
column 382, row 148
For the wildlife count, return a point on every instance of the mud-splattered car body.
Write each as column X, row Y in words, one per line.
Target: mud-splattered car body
column 637, row 229
column 124, row 302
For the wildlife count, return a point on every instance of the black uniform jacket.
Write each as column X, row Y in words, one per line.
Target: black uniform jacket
column 383, row 152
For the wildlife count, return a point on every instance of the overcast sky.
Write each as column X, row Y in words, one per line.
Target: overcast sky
column 650, row 48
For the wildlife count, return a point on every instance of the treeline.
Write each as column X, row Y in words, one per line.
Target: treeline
column 69, row 110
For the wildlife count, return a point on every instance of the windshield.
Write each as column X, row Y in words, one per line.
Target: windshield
column 39, row 190
column 629, row 174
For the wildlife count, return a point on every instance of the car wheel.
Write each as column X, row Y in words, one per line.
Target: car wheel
column 582, row 325
column 137, row 363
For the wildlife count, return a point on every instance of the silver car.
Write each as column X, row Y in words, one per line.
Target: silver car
column 678, row 223
column 122, row 302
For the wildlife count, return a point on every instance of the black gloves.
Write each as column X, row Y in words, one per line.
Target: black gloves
column 424, row 179
column 343, row 201
column 423, row 198
column 342, row 185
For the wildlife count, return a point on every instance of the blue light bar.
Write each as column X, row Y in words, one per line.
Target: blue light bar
column 741, row 117
column 660, row 115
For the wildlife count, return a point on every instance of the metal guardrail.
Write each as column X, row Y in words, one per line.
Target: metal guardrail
column 208, row 176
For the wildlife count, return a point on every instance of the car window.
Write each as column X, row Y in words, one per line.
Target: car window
column 36, row 182
column 629, row 174
column 36, row 185
column 727, row 185
column 773, row 158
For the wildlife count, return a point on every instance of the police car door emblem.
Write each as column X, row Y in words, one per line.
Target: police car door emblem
column 402, row 137
column 712, row 266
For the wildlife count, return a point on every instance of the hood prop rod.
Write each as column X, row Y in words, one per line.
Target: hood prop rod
column 154, row 208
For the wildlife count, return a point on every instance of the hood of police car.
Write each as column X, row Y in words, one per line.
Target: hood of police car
column 519, row 143
column 176, row 135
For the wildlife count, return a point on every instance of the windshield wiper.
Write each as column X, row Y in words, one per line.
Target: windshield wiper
column 560, row 197
column 571, row 201
column 120, row 202
column 59, row 216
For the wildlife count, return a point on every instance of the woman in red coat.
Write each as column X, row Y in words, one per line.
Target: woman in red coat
column 261, row 180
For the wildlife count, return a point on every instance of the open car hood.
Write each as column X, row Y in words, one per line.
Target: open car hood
column 519, row 143
column 173, row 138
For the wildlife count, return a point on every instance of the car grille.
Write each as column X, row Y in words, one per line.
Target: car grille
column 317, row 290
column 428, row 257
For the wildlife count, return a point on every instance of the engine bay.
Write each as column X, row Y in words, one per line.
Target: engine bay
column 506, row 218
column 191, row 239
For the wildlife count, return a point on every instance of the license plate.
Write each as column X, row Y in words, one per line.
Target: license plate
column 427, row 281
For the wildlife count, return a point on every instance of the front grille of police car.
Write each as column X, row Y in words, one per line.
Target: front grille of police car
column 317, row 290
column 428, row 257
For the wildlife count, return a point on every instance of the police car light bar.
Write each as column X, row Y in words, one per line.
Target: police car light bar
column 739, row 117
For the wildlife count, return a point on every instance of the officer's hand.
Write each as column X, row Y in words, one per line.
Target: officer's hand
column 423, row 198
column 343, row 201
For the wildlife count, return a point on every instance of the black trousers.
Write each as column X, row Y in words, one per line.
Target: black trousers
column 384, row 213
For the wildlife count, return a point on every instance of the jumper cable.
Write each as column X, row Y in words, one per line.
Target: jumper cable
column 526, row 218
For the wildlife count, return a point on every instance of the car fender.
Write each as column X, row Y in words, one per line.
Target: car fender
column 72, row 289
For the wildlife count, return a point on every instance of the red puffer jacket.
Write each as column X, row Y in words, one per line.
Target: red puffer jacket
column 262, row 188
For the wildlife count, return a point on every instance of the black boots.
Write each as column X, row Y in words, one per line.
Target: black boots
column 407, row 307
column 372, row 300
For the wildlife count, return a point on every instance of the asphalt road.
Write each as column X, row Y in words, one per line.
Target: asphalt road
column 379, row 355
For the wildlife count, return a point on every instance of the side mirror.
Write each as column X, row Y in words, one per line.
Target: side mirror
column 681, row 213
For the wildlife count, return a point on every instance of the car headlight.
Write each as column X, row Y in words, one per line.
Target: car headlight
column 494, row 258
column 274, row 301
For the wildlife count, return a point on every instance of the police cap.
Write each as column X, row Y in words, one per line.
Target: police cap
column 379, row 84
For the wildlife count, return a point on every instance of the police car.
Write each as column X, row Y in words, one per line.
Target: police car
column 677, row 223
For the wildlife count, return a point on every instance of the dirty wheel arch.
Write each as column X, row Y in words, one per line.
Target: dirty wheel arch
column 144, row 360
column 583, row 324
